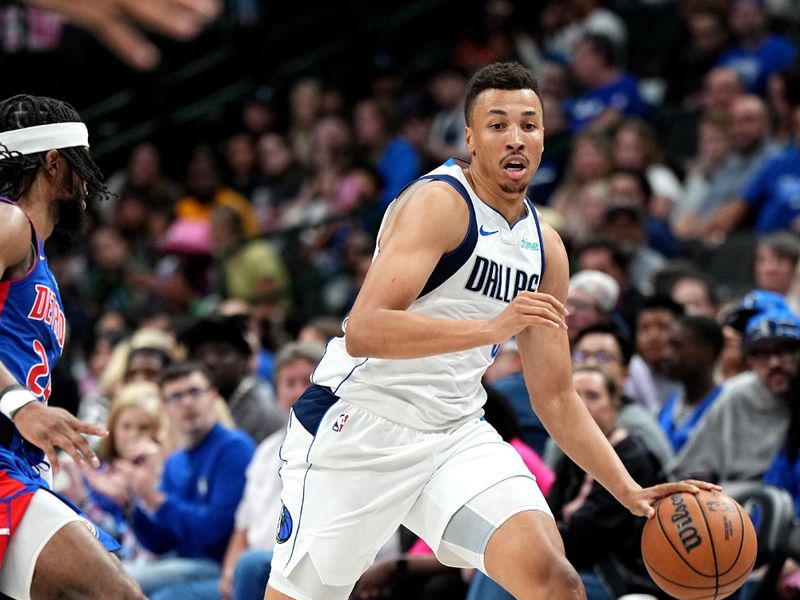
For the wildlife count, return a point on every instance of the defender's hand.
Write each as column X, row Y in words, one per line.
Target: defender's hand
column 117, row 23
column 528, row 309
column 641, row 501
column 49, row 428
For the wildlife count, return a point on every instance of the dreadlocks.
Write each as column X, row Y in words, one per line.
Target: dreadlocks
column 18, row 171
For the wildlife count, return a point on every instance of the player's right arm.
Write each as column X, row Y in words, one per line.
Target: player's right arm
column 431, row 222
column 45, row 427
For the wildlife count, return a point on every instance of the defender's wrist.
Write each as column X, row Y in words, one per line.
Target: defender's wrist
column 14, row 397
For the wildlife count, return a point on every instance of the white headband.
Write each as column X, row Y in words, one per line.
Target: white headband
column 39, row 138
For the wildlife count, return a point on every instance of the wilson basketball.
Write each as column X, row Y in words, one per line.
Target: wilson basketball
column 699, row 547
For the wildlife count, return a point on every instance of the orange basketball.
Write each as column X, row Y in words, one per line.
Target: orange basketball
column 699, row 547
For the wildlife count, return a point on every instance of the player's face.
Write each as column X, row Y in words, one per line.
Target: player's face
column 505, row 137
column 70, row 199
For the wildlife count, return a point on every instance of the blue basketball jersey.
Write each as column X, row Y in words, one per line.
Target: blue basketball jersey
column 32, row 324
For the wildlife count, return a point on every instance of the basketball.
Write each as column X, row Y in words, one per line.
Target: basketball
column 699, row 546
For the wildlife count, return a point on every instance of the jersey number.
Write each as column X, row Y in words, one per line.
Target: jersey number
column 38, row 371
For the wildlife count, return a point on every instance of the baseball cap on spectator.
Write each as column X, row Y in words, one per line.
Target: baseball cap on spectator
column 772, row 325
column 599, row 285
column 187, row 236
column 752, row 304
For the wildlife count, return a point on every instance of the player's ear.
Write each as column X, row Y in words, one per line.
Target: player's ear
column 468, row 139
column 51, row 160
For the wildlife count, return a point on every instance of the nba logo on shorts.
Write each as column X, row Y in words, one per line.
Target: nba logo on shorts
column 339, row 424
column 284, row 531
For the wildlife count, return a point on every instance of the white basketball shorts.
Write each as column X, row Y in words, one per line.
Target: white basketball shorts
column 350, row 478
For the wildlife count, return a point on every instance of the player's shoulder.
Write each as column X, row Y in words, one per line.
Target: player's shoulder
column 13, row 219
column 433, row 205
column 15, row 235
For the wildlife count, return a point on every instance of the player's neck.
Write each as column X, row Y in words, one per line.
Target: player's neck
column 509, row 204
column 40, row 209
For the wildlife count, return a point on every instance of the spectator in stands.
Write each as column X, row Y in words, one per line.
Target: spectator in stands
column 696, row 56
column 591, row 300
column 395, row 159
column 589, row 16
column 609, row 349
column 756, row 52
column 783, row 92
column 305, row 103
column 714, row 178
column 775, row 268
column 747, row 425
column 626, row 225
column 189, row 516
column 205, row 191
column 649, row 383
column 752, row 147
column 220, row 345
column 240, row 161
column 636, row 148
column 696, row 293
column 103, row 494
column 446, row 138
column 245, row 568
column 694, row 347
column 607, row 256
column 249, row 269
column 609, row 94
column 721, row 86
column 505, row 376
column 557, row 149
column 143, row 176
column 282, row 177
column 770, row 195
column 589, row 162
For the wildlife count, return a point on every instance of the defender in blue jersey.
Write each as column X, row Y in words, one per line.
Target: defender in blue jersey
column 391, row 431
column 47, row 548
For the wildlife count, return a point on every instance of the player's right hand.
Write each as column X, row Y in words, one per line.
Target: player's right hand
column 49, row 428
column 528, row 309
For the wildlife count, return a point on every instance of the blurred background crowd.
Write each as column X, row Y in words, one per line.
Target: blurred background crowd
column 250, row 172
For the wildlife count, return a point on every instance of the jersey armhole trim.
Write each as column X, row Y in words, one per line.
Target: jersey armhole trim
column 452, row 261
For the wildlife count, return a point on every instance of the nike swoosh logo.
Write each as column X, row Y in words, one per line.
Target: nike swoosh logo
column 484, row 232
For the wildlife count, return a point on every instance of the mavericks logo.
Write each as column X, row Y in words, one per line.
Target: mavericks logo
column 284, row 531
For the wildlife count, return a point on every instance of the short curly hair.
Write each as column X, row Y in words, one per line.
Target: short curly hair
column 498, row 76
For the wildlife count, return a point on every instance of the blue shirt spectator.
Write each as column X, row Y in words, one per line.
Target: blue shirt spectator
column 774, row 192
column 621, row 95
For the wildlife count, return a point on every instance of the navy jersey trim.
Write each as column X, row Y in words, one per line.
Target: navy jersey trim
column 451, row 262
column 311, row 407
column 539, row 231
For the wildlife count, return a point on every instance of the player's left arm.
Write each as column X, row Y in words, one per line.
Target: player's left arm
column 547, row 368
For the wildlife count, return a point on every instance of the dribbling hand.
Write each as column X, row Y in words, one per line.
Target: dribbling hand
column 642, row 501
column 528, row 309
column 49, row 428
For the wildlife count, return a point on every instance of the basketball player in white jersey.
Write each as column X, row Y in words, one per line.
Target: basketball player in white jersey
column 391, row 430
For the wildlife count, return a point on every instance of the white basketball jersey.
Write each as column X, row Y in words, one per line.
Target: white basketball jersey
column 477, row 280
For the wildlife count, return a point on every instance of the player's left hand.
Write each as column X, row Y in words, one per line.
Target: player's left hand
column 48, row 428
column 641, row 501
